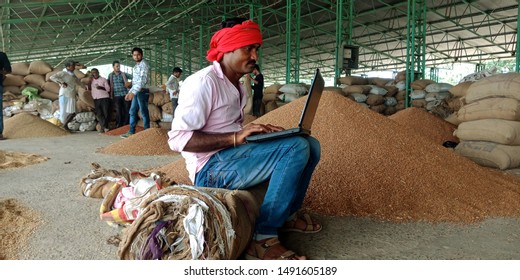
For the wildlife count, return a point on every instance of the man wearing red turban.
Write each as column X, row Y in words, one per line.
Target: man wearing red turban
column 207, row 130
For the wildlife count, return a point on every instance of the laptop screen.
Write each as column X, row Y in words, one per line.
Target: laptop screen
column 313, row 99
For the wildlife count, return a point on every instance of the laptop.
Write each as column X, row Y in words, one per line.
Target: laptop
column 308, row 113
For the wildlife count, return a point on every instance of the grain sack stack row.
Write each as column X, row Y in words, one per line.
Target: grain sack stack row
column 28, row 88
column 277, row 95
column 384, row 96
column 489, row 127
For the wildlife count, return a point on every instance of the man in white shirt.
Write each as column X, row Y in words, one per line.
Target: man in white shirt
column 67, row 95
column 172, row 85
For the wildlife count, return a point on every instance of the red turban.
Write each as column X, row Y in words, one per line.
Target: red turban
column 232, row 38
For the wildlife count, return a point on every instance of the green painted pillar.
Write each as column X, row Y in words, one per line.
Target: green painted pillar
column 416, row 44
column 255, row 14
column 292, row 41
column 343, row 35
column 517, row 51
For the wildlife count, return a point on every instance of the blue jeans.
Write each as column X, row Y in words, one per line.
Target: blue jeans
column 288, row 164
column 1, row 106
column 139, row 102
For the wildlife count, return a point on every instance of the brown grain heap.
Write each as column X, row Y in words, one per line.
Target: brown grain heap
column 16, row 159
column 372, row 166
column 122, row 130
column 26, row 125
column 426, row 124
column 17, row 223
column 149, row 142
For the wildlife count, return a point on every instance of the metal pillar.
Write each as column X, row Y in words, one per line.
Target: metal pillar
column 202, row 47
column 343, row 35
column 517, row 52
column 183, row 51
column 255, row 14
column 434, row 74
column 416, row 44
column 292, row 41
column 168, row 64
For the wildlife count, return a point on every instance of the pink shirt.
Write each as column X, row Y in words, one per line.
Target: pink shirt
column 99, row 93
column 209, row 103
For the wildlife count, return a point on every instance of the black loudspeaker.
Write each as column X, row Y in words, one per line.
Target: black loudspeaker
column 350, row 57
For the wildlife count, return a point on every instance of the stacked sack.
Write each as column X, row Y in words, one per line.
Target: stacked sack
column 162, row 220
column 31, row 81
column 431, row 96
column 489, row 127
column 385, row 96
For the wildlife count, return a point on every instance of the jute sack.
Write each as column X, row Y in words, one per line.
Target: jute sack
column 491, row 130
column 167, row 108
column 390, row 110
column 378, row 108
column 82, row 106
column 153, row 112
column 39, row 67
column 50, row 95
column 491, row 108
column 401, row 95
column 224, row 221
column 21, row 68
column 86, row 96
column 274, row 88
column 455, row 103
column 48, row 75
column 490, row 154
column 381, row 82
column 270, row 106
column 51, row 86
column 391, row 91
column 421, row 84
column 160, row 98
column 453, row 119
column 332, row 89
column 269, row 97
column 13, row 89
column 356, row 89
column 500, row 85
column 353, row 80
column 419, row 103
column 375, row 99
column 14, row 80
column 461, row 89
column 35, row 79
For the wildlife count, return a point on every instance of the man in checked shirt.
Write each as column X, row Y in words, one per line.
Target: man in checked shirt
column 139, row 92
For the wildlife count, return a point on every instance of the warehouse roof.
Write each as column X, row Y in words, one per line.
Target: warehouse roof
column 177, row 33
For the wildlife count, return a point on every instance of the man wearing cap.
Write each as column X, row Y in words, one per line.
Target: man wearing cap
column 208, row 132
column 67, row 94
column 172, row 85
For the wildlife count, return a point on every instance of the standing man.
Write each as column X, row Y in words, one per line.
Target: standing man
column 208, row 132
column 101, row 94
column 118, row 82
column 139, row 93
column 172, row 85
column 258, row 90
column 5, row 68
column 67, row 95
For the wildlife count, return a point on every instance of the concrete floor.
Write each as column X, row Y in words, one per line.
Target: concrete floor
column 73, row 231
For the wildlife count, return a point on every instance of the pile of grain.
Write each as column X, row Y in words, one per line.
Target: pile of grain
column 149, row 142
column 372, row 166
column 17, row 159
column 426, row 124
column 122, row 130
column 17, row 223
column 25, row 125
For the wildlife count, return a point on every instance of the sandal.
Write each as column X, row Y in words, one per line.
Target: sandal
column 302, row 223
column 270, row 249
